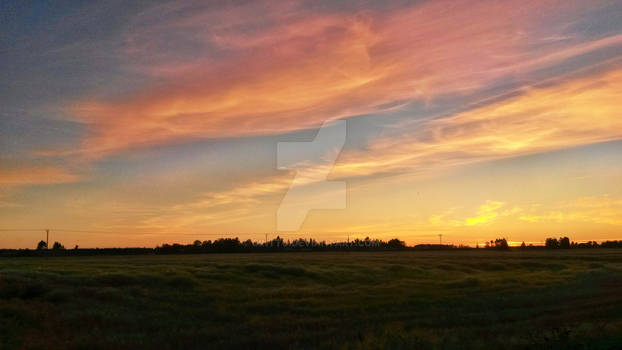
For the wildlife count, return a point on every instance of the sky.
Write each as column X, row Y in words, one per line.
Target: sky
column 145, row 122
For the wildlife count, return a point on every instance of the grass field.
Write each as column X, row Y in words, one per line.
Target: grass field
column 453, row 299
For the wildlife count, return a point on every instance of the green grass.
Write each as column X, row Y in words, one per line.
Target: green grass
column 455, row 299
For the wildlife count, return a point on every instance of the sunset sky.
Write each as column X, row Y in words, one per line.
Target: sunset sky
column 140, row 123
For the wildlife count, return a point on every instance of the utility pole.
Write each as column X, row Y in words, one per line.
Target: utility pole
column 47, row 239
column 266, row 238
column 440, row 239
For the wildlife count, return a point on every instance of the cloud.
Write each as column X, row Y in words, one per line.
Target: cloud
column 572, row 113
column 242, row 201
column 485, row 214
column 598, row 210
column 267, row 68
column 250, row 193
column 34, row 175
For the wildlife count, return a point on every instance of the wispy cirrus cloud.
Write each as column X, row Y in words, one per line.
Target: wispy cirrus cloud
column 260, row 68
column 572, row 113
column 575, row 112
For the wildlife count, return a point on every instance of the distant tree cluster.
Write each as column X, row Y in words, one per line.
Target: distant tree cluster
column 594, row 244
column 565, row 243
column 232, row 245
column 499, row 244
column 43, row 245
column 554, row 243
column 611, row 244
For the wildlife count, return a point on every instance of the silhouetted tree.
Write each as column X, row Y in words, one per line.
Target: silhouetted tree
column 226, row 244
column 276, row 243
column 501, row 244
column 611, row 244
column 248, row 244
column 396, row 244
column 42, row 245
column 196, row 243
column 564, row 242
column 57, row 246
column 523, row 246
column 551, row 243
column 590, row 244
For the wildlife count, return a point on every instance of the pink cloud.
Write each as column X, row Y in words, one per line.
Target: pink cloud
column 265, row 69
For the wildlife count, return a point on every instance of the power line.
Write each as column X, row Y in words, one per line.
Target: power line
column 344, row 234
column 55, row 229
column 89, row 231
column 22, row 229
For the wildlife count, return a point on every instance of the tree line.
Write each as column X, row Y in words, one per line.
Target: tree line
column 554, row 243
column 230, row 245
column 278, row 244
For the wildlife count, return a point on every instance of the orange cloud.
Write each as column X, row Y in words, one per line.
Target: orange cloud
column 597, row 210
column 485, row 214
column 34, row 175
column 303, row 68
column 573, row 113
